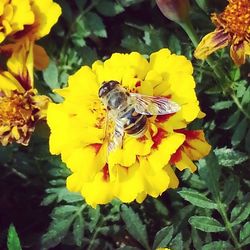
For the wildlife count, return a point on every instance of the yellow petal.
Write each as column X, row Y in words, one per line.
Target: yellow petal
column 213, row 41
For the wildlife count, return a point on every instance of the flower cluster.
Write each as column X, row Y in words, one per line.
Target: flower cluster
column 232, row 27
column 142, row 166
column 21, row 24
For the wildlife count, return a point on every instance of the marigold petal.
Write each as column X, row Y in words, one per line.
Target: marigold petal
column 41, row 59
column 185, row 162
column 98, row 191
column 160, row 156
column 238, row 53
column 211, row 42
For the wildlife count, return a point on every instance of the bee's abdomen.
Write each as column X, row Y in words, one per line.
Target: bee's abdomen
column 136, row 123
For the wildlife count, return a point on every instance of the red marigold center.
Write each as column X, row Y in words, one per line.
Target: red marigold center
column 235, row 19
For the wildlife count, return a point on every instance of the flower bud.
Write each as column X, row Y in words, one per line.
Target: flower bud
column 175, row 10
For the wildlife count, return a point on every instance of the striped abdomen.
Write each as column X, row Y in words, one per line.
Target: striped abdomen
column 136, row 124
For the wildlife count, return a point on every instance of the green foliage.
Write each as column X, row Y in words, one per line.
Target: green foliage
column 13, row 242
column 210, row 209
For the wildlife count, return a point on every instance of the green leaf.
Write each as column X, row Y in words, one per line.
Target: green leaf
column 134, row 225
column 206, row 224
column 50, row 76
column 229, row 157
column 239, row 132
column 232, row 121
column 89, row 55
column 109, row 8
column 49, row 199
column 222, row 105
column 218, row 245
column 163, row 237
column 174, row 44
column 57, row 230
column 246, row 97
column 230, row 191
column 210, row 171
column 13, row 241
column 245, row 234
column 63, row 211
column 94, row 215
column 95, row 24
column 177, row 242
column 241, row 211
column 196, row 239
column 197, row 199
column 78, row 230
column 247, row 141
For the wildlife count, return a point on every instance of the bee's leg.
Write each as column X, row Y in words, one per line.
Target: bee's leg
column 116, row 141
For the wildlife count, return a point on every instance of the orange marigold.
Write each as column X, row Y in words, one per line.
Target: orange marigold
column 232, row 27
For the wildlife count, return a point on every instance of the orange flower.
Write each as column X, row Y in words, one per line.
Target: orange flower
column 19, row 113
column 232, row 27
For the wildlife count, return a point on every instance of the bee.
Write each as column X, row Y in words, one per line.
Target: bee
column 130, row 111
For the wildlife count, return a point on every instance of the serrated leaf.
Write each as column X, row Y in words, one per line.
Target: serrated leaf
column 218, row 245
column 177, row 242
column 241, row 89
column 232, row 120
column 57, row 230
column 241, row 211
column 13, row 242
column 222, row 105
column 246, row 97
column 94, row 215
column 196, row 239
column 197, row 199
column 50, row 76
column 206, row 224
column 245, row 234
column 210, row 171
column 109, row 8
column 78, row 230
column 231, row 187
column 239, row 132
column 63, row 211
column 96, row 24
column 229, row 157
column 134, row 225
column 247, row 141
column 174, row 44
column 49, row 199
column 163, row 237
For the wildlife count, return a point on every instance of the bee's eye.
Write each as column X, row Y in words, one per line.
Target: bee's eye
column 103, row 91
column 113, row 83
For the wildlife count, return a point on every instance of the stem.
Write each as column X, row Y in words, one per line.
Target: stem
column 227, row 223
column 221, row 75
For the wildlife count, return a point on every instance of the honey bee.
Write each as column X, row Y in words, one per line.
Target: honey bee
column 130, row 111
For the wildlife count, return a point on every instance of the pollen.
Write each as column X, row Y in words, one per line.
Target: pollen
column 235, row 19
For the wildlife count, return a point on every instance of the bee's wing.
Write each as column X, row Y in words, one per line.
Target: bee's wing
column 116, row 139
column 153, row 105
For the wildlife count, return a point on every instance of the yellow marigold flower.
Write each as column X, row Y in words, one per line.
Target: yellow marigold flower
column 142, row 166
column 19, row 113
column 32, row 18
column 14, row 16
column 232, row 27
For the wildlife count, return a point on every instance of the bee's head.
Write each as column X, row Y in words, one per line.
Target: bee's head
column 106, row 88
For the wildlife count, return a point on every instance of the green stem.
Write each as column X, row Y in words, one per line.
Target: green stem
column 222, row 78
column 227, row 223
